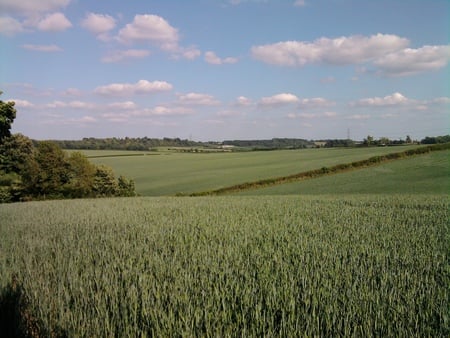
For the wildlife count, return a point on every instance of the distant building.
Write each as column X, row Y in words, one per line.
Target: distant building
column 320, row 144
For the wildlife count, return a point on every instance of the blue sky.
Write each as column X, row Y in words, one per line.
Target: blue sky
column 226, row 69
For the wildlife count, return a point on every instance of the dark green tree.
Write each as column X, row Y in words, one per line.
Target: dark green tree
column 7, row 116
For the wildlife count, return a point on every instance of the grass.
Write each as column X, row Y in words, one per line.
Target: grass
column 172, row 173
column 286, row 266
column 424, row 174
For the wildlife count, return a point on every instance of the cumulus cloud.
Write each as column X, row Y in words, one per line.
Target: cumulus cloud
column 99, row 24
column 389, row 100
column 43, row 48
column 121, row 55
column 140, row 87
column 212, row 58
column 55, row 22
column 157, row 31
column 150, row 28
column 339, row 51
column 411, row 61
column 197, row 99
column 279, row 99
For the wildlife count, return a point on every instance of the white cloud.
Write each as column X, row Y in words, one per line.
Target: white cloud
column 339, row 51
column 411, row 61
column 358, row 117
column 72, row 104
column 283, row 98
column 54, row 22
column 28, row 7
column 327, row 114
column 316, row 102
column 212, row 58
column 72, row 92
column 120, row 55
column 441, row 100
column 197, row 99
column 43, row 48
column 141, row 87
column 189, row 53
column 150, row 28
column 10, row 26
column 123, row 105
column 389, row 100
column 243, row 101
column 99, row 24
column 22, row 103
column 155, row 30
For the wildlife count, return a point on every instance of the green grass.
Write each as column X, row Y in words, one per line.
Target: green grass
column 172, row 173
column 274, row 266
column 423, row 174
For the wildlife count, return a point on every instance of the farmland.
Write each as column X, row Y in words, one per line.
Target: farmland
column 424, row 174
column 367, row 265
column 364, row 252
column 170, row 173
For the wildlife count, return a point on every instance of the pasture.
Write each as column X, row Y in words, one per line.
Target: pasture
column 170, row 173
column 274, row 266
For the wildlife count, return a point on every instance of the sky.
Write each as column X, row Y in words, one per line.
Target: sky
column 214, row 70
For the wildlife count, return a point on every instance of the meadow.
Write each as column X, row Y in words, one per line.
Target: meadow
column 169, row 173
column 257, row 266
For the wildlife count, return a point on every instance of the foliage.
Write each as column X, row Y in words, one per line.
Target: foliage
column 44, row 170
column 256, row 267
column 7, row 116
column 436, row 140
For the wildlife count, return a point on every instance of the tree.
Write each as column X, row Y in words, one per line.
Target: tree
column 408, row 139
column 47, row 172
column 81, row 176
column 104, row 182
column 125, row 187
column 7, row 116
column 369, row 140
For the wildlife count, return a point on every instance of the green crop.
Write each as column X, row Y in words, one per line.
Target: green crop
column 283, row 266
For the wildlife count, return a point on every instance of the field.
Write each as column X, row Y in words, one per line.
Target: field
column 424, row 174
column 360, row 253
column 366, row 265
column 170, row 173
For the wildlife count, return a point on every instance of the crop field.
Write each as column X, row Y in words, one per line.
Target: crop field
column 424, row 174
column 247, row 266
column 169, row 173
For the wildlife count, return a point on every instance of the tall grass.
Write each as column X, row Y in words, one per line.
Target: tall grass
column 229, row 266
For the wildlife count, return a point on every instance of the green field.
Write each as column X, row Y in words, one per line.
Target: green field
column 170, row 173
column 423, row 174
column 281, row 266
column 360, row 253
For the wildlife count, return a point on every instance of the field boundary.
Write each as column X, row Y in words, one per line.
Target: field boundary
column 315, row 173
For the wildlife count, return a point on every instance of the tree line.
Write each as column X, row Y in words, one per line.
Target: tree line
column 42, row 170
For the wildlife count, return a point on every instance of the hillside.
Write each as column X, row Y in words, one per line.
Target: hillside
column 171, row 173
column 424, row 174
